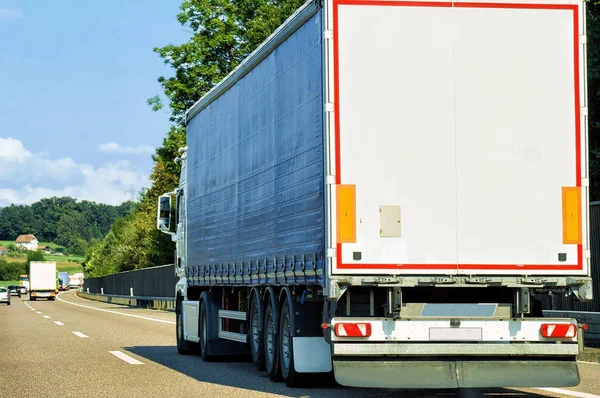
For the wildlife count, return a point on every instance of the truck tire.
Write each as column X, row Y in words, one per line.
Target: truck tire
column 256, row 338
column 184, row 347
column 203, row 328
column 286, row 348
column 31, row 298
column 271, row 344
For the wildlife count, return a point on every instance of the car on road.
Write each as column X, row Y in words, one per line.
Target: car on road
column 14, row 290
column 23, row 289
column 4, row 295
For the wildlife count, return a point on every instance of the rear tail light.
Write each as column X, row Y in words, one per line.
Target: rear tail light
column 361, row 329
column 558, row 330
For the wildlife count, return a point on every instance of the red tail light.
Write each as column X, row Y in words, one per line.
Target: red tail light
column 585, row 326
column 558, row 330
column 353, row 329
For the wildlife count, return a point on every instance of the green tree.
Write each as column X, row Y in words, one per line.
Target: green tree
column 33, row 256
column 10, row 271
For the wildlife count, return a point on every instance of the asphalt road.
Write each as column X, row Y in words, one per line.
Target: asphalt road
column 78, row 348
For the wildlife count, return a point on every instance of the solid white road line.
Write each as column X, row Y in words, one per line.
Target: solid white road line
column 569, row 393
column 589, row 363
column 59, row 323
column 126, row 358
column 115, row 312
column 79, row 334
column 46, row 316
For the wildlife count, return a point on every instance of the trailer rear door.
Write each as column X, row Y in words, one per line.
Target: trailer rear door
column 459, row 138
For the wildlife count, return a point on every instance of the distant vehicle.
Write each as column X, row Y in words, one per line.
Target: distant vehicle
column 76, row 280
column 4, row 295
column 63, row 281
column 42, row 278
column 24, row 281
column 23, row 289
column 14, row 290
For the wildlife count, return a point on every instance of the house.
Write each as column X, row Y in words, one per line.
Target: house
column 27, row 242
column 3, row 250
column 45, row 249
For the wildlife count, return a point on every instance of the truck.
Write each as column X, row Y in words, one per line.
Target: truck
column 42, row 280
column 76, row 280
column 384, row 190
column 24, row 281
column 63, row 280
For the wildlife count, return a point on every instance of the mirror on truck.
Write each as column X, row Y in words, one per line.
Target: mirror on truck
column 164, row 214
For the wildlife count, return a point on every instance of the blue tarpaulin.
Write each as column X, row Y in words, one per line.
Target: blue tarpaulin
column 255, row 166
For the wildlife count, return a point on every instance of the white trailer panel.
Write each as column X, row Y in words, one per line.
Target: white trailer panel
column 42, row 276
column 465, row 146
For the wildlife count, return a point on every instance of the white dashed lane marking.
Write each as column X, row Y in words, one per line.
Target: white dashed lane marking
column 126, row 358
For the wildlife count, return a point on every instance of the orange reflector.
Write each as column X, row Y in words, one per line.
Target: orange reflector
column 346, row 213
column 571, row 206
column 353, row 329
column 558, row 330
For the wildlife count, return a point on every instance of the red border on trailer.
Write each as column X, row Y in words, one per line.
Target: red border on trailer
column 394, row 3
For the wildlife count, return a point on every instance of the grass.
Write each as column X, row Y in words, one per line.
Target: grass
column 71, row 264
column 7, row 283
column 53, row 245
column 73, row 259
column 71, row 269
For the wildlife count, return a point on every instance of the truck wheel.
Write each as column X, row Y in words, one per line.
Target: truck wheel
column 31, row 298
column 203, row 333
column 286, row 348
column 271, row 344
column 183, row 347
column 257, row 339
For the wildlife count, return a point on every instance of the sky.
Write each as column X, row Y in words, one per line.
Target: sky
column 74, row 79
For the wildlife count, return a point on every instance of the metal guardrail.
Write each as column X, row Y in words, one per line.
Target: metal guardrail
column 147, row 282
column 159, row 303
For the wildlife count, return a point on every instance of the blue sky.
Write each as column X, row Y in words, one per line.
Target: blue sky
column 74, row 79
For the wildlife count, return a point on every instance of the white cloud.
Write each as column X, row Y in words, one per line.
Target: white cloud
column 113, row 147
column 13, row 150
column 38, row 177
column 9, row 13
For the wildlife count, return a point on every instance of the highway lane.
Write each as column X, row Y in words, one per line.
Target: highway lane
column 100, row 350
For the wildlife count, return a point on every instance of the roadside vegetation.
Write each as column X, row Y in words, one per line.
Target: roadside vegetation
column 14, row 264
column 66, row 225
